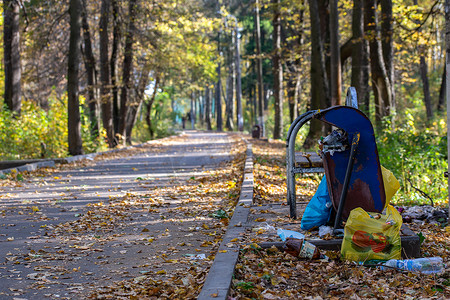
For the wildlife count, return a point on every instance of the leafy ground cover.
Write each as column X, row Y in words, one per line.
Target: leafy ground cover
column 271, row 274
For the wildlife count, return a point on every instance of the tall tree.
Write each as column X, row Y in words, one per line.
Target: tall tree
column 240, row 117
column 105, row 96
column 230, row 88
column 135, row 107
column 208, row 107
column 447, row 66
column 360, row 59
column 11, row 52
column 91, row 74
column 441, row 101
column 380, row 81
column 149, row 105
column 127, row 68
column 335, row 59
column 387, row 43
column 73, row 107
column 259, row 69
column 423, row 68
column 113, row 64
column 426, row 87
column 319, row 86
column 218, row 97
column 277, row 70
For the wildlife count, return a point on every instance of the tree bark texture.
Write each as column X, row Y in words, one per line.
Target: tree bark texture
column 426, row 87
column 230, row 90
column 240, row 116
column 277, row 70
column 73, row 107
column 105, row 96
column 441, row 102
column 380, row 81
column 127, row 68
column 208, row 108
column 11, row 52
column 387, row 43
column 335, row 59
column 113, row 64
column 149, row 104
column 139, row 99
column 360, row 60
column 259, row 69
column 218, row 97
column 447, row 64
column 89, row 62
column 319, row 86
column 192, row 112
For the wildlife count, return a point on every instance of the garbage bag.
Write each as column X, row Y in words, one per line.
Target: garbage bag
column 391, row 184
column 369, row 236
column 318, row 210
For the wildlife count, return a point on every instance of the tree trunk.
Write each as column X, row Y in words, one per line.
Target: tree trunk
column 140, row 92
column 148, row 116
column 230, row 92
column 240, row 117
column 105, row 96
column 73, row 103
column 319, row 86
column 11, row 53
column 259, row 70
column 89, row 63
column 277, row 70
column 335, row 59
column 127, row 68
column 447, row 65
column 218, row 97
column 387, row 39
column 380, row 81
column 441, row 102
column 113, row 64
column 192, row 112
column 208, row 108
column 360, row 63
column 426, row 87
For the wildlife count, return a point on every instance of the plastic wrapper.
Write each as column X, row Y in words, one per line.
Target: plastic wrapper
column 369, row 236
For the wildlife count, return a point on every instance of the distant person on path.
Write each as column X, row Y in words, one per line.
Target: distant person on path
column 183, row 122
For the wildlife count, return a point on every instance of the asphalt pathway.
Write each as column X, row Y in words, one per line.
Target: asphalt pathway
column 60, row 239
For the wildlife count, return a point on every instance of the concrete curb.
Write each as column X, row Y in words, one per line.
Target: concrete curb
column 218, row 280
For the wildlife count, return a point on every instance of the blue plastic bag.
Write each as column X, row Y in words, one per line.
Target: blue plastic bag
column 318, row 210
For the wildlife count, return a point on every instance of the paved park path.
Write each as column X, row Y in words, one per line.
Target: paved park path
column 77, row 230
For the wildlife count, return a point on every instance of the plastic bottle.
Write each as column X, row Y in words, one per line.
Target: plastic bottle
column 425, row 265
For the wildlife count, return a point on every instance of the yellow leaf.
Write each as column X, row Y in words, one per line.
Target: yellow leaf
column 35, row 208
column 161, row 272
column 223, row 251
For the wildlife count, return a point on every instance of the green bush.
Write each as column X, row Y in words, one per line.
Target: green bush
column 416, row 152
column 21, row 136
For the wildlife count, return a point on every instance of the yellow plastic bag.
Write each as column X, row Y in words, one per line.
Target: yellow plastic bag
column 391, row 184
column 370, row 236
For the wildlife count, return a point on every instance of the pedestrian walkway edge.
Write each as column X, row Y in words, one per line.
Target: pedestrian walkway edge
column 218, row 280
